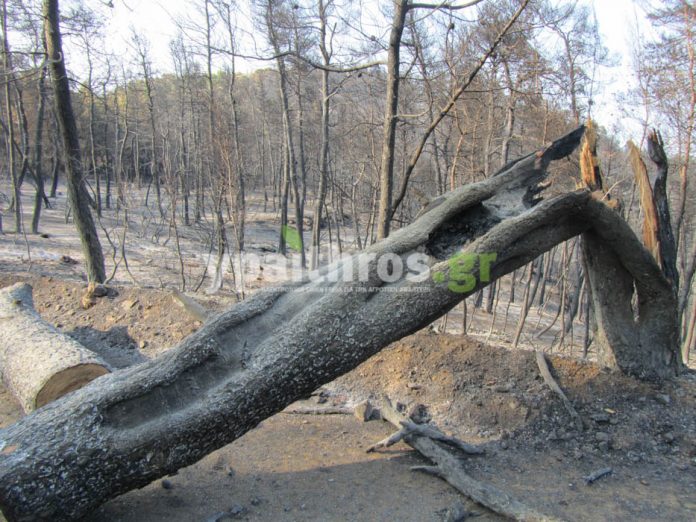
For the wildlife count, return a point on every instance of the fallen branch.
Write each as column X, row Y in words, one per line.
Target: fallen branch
column 596, row 475
column 425, row 430
column 329, row 410
column 551, row 383
column 448, row 466
column 389, row 441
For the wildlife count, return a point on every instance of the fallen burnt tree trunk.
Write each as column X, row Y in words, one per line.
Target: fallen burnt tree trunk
column 133, row 426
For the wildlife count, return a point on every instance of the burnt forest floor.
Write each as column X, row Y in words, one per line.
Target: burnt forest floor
column 314, row 467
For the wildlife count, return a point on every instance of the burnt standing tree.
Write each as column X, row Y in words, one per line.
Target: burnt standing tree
column 77, row 191
column 131, row 427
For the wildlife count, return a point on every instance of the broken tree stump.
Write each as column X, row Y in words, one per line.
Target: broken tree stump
column 39, row 363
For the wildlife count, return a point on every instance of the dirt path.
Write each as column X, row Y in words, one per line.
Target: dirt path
column 294, row 468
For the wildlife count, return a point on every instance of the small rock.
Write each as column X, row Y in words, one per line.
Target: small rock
column 237, row 510
column 166, row 484
column 100, row 291
column 457, row 513
column 668, row 437
column 230, row 471
column 600, row 418
column 603, row 446
column 363, row 411
column 142, row 344
column 601, row 436
column 663, row 398
column 128, row 304
column 504, row 444
column 255, row 501
column 413, row 386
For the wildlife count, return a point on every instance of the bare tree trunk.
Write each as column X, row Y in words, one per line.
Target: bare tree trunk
column 154, row 157
column 40, row 364
column 79, row 199
column 646, row 343
column 40, row 196
column 55, row 157
column 7, row 63
column 324, row 153
column 290, row 174
column 92, row 145
column 386, row 171
column 108, row 158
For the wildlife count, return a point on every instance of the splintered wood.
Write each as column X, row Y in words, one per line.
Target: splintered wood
column 647, row 202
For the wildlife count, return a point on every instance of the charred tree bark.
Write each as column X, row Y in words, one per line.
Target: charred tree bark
column 136, row 425
column 77, row 192
column 40, row 195
column 7, row 64
column 643, row 342
column 668, row 244
column 324, row 153
column 386, row 171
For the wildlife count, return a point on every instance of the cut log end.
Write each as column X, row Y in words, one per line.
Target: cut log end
column 68, row 380
column 38, row 363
